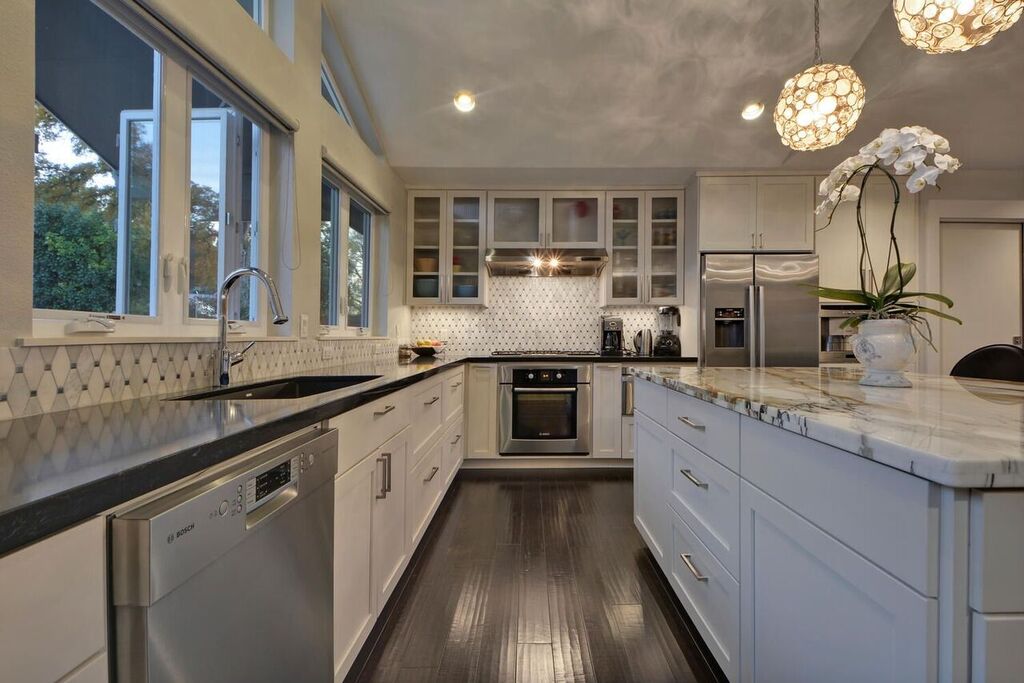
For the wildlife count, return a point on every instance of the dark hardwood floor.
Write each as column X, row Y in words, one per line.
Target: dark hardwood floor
column 534, row 576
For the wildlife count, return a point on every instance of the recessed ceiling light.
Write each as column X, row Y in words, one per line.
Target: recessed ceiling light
column 464, row 101
column 752, row 110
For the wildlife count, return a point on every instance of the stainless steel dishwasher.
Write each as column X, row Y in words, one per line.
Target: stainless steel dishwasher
column 230, row 578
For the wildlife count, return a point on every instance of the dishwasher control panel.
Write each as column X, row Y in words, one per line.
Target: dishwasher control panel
column 260, row 488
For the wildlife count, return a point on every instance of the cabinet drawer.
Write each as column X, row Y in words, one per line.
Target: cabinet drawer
column 454, row 386
column 423, row 488
column 997, row 551
column 649, row 398
column 53, row 604
column 453, row 445
column 996, row 652
column 706, row 496
column 710, row 595
column 705, row 426
column 888, row 516
column 426, row 415
column 363, row 430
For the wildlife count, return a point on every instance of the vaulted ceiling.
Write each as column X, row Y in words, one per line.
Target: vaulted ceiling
column 647, row 91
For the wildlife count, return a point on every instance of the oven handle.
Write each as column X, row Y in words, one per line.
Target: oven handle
column 544, row 390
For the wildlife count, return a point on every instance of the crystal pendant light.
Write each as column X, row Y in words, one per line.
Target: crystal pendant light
column 941, row 26
column 819, row 106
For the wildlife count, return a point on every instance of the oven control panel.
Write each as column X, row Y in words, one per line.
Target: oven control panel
column 544, row 377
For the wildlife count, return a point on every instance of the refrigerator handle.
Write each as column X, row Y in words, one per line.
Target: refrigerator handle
column 751, row 343
column 761, row 323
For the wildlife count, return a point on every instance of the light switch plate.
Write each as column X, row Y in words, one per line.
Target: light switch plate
column 304, row 326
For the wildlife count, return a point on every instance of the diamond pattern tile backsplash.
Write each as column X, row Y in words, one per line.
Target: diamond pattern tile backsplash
column 50, row 378
column 530, row 313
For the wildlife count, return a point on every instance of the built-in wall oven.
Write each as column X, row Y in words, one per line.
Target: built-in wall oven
column 544, row 410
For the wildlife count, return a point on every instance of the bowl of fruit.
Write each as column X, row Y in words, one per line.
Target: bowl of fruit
column 427, row 347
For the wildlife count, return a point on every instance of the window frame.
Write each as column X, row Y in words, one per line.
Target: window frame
column 169, row 271
column 336, row 301
column 341, row 211
column 336, row 101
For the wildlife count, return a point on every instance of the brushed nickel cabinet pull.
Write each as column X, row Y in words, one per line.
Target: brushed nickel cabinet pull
column 432, row 401
column 457, row 438
column 433, row 473
column 383, row 493
column 387, row 409
column 685, row 557
column 690, row 423
column 696, row 482
column 457, row 385
column 387, row 472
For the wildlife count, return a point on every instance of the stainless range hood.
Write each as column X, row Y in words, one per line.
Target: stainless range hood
column 546, row 262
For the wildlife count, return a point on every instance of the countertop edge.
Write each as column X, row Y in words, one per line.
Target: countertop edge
column 940, row 470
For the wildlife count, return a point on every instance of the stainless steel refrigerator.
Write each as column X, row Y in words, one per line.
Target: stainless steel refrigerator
column 759, row 310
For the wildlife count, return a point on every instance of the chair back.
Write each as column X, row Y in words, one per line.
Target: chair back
column 997, row 361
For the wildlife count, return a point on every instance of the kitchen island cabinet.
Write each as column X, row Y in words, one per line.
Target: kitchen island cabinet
column 868, row 520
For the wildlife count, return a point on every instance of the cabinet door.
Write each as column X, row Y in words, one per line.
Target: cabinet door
column 628, row 437
column 481, row 411
column 625, row 223
column 515, row 220
column 423, row 489
column 838, row 247
column 466, row 234
column 426, row 249
column 575, row 220
column 652, row 473
column 454, row 445
column 663, row 248
column 388, row 541
column 814, row 610
column 785, row 213
column 728, row 214
column 607, row 388
column 355, row 609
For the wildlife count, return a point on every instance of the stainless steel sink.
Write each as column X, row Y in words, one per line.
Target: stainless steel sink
column 296, row 387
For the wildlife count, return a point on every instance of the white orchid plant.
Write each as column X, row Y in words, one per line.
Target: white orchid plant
column 923, row 155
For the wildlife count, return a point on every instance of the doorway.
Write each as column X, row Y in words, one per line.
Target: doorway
column 981, row 271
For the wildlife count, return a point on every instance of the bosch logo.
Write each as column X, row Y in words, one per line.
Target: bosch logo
column 180, row 532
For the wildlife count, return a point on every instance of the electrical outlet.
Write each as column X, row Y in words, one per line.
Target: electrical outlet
column 304, row 326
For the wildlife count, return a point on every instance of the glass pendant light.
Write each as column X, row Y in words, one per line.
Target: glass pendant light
column 819, row 106
column 941, row 26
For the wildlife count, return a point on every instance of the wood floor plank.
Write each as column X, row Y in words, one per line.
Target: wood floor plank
column 534, row 663
column 535, row 576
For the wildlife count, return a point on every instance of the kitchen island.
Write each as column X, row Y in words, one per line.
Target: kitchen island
column 815, row 529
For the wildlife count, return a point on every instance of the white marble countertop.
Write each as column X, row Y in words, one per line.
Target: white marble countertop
column 955, row 432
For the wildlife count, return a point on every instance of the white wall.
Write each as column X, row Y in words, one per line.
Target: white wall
column 288, row 83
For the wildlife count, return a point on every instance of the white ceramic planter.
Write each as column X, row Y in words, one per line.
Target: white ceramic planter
column 884, row 348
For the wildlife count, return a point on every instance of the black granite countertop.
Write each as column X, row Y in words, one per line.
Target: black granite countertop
column 58, row 469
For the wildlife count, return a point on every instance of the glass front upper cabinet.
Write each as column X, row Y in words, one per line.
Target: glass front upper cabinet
column 575, row 220
column 447, row 250
column 644, row 231
column 516, row 220
column 664, row 247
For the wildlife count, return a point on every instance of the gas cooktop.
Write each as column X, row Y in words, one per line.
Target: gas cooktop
column 548, row 352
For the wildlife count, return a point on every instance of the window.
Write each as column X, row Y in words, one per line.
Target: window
column 329, row 91
column 95, row 174
column 358, row 249
column 345, row 256
column 330, row 290
column 224, row 200
column 113, row 235
column 255, row 9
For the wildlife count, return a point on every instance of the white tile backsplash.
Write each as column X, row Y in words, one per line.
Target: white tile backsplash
column 530, row 313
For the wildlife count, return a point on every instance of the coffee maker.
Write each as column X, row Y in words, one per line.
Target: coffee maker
column 611, row 336
column 667, row 342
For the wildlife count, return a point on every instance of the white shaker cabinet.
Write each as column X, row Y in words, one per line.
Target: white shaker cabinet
column 652, row 471
column 481, row 411
column 756, row 213
column 814, row 610
column 355, row 609
column 389, row 550
column 53, row 607
column 607, row 429
column 516, row 220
